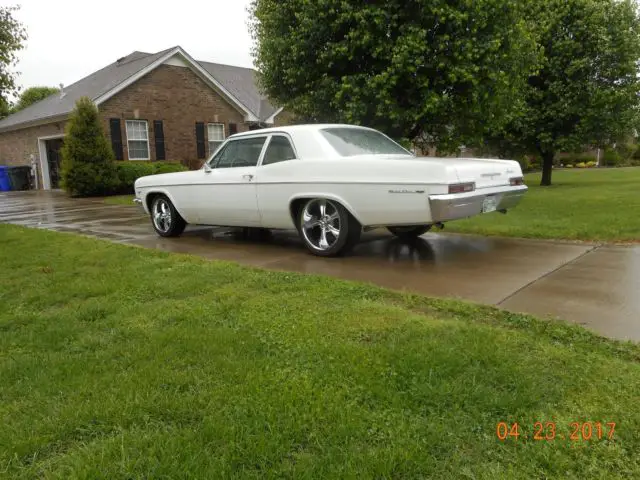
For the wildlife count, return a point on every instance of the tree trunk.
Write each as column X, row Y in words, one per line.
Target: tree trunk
column 547, row 168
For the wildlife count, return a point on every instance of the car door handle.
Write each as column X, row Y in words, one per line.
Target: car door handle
column 248, row 177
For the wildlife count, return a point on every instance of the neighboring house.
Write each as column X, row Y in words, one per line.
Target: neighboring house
column 160, row 106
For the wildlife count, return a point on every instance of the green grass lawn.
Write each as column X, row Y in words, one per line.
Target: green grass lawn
column 593, row 204
column 120, row 362
column 120, row 200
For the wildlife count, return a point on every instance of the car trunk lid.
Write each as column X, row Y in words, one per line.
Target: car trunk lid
column 486, row 173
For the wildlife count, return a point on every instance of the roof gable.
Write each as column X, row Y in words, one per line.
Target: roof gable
column 236, row 83
column 243, row 84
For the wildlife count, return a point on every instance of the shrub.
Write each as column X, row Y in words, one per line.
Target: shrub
column 625, row 151
column 169, row 167
column 581, row 165
column 525, row 165
column 88, row 164
column 129, row 172
column 569, row 166
column 575, row 158
column 611, row 158
column 586, row 158
column 591, row 164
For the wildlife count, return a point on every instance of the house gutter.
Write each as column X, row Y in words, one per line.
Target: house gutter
column 35, row 123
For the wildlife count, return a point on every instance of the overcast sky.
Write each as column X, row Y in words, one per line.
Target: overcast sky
column 69, row 39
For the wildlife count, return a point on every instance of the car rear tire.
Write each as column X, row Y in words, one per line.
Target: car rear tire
column 326, row 228
column 165, row 219
column 407, row 233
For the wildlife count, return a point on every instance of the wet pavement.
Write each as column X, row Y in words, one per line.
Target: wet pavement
column 594, row 285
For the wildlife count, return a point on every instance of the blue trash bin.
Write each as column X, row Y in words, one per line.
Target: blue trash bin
column 5, row 181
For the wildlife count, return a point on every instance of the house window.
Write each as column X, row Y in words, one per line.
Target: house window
column 215, row 134
column 138, row 139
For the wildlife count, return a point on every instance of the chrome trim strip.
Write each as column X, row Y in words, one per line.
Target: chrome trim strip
column 300, row 183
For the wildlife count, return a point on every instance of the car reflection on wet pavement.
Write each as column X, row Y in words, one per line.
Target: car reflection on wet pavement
column 590, row 284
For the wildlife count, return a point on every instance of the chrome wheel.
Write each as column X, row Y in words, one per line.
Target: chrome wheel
column 321, row 224
column 162, row 215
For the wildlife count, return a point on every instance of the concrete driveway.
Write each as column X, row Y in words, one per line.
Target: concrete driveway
column 594, row 285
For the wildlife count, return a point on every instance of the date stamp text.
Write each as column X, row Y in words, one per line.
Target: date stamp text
column 550, row 431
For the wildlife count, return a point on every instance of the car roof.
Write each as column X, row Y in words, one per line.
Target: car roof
column 296, row 128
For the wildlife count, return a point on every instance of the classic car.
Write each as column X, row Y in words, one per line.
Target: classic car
column 329, row 182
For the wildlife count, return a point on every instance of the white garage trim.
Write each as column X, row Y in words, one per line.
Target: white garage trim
column 44, row 160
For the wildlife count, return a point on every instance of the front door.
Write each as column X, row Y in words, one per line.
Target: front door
column 54, row 160
column 227, row 195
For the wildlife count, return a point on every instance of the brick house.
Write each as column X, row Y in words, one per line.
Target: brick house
column 161, row 106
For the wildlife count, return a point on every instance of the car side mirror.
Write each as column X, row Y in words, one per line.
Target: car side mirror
column 207, row 168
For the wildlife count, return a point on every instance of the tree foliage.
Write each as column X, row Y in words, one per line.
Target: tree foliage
column 435, row 70
column 5, row 107
column 88, row 162
column 587, row 89
column 12, row 38
column 33, row 95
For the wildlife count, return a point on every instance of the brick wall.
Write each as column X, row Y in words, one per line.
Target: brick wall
column 179, row 98
column 16, row 147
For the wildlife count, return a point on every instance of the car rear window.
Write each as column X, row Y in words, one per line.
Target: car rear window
column 349, row 142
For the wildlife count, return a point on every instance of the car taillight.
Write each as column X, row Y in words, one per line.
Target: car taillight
column 516, row 181
column 462, row 187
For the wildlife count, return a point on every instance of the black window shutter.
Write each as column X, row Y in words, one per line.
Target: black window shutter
column 200, row 146
column 233, row 128
column 158, row 133
column 116, row 138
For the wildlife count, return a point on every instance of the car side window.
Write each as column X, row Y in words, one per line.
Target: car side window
column 279, row 150
column 244, row 152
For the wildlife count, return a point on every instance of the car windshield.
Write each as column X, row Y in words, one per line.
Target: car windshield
column 349, row 142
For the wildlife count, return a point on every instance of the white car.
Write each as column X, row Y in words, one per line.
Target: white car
column 329, row 182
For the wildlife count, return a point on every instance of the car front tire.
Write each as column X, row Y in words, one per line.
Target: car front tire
column 407, row 233
column 326, row 228
column 165, row 219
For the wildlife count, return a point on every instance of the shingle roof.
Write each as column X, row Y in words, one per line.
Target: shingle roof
column 91, row 86
column 240, row 82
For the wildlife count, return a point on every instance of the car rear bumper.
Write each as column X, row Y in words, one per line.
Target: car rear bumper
column 463, row 205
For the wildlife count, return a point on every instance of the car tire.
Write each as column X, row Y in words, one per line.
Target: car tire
column 407, row 233
column 165, row 219
column 326, row 228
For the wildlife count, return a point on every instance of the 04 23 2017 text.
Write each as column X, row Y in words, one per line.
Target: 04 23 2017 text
column 550, row 431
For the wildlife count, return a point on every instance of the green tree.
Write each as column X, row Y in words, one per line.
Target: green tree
column 12, row 38
column 33, row 95
column 5, row 108
column 587, row 89
column 88, row 162
column 435, row 70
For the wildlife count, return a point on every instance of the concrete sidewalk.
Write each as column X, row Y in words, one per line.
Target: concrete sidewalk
column 595, row 286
